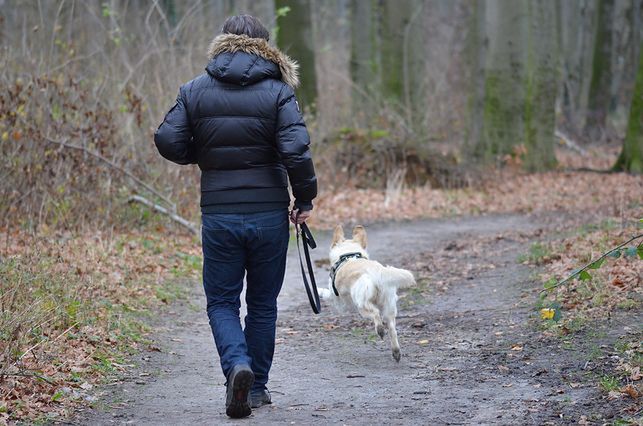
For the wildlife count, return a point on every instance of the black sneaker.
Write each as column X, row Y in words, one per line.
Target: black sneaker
column 240, row 381
column 259, row 398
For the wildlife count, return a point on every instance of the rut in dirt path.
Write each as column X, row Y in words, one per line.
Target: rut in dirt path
column 458, row 366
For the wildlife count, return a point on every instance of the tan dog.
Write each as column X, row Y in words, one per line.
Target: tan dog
column 366, row 284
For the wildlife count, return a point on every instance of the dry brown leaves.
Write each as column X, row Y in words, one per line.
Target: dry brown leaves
column 551, row 191
column 616, row 284
column 66, row 302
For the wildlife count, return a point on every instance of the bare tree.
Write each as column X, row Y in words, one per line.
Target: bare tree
column 599, row 90
column 331, row 35
column 631, row 158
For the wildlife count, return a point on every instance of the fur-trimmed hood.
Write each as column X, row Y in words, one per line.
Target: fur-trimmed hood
column 271, row 62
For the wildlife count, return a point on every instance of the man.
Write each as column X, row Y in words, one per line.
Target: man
column 240, row 122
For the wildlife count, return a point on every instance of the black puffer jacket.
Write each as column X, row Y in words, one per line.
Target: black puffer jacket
column 241, row 124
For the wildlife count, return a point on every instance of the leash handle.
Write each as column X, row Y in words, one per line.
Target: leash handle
column 311, row 289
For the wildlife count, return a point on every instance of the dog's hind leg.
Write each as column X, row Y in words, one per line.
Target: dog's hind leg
column 368, row 310
column 389, row 319
column 362, row 293
column 395, row 344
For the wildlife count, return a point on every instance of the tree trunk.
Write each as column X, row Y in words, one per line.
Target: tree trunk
column 502, row 128
column 541, row 82
column 476, row 53
column 519, row 86
column 626, row 41
column 331, row 36
column 443, row 85
column 599, row 90
column 169, row 6
column 295, row 37
column 631, row 158
column 366, row 58
column 394, row 17
column 576, row 37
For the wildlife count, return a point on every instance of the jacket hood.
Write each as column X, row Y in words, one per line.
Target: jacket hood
column 244, row 60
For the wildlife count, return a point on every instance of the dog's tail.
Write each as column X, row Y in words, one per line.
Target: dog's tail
column 398, row 278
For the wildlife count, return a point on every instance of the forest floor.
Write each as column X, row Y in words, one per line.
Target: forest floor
column 475, row 350
column 108, row 326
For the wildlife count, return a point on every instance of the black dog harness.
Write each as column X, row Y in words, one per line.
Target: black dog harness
column 342, row 259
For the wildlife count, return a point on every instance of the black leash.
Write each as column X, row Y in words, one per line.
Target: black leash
column 311, row 289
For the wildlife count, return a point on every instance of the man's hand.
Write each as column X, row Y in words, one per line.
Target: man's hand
column 299, row 217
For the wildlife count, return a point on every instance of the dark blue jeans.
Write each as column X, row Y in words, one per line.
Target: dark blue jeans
column 235, row 244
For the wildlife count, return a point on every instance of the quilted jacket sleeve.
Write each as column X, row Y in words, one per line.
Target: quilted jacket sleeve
column 293, row 144
column 173, row 138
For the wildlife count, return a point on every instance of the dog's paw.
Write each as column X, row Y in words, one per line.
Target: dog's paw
column 380, row 331
column 397, row 355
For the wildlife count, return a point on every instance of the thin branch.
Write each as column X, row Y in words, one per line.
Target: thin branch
column 191, row 226
column 36, row 375
column 577, row 272
column 570, row 143
column 42, row 341
column 116, row 167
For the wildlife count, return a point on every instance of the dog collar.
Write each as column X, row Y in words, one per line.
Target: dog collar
column 342, row 259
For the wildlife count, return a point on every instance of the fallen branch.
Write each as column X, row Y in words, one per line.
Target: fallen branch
column 569, row 143
column 35, row 375
column 191, row 226
column 116, row 167
column 43, row 341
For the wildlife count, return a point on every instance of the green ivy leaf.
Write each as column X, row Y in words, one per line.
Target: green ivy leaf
column 597, row 264
column 615, row 254
column 585, row 276
column 639, row 251
column 550, row 283
column 630, row 251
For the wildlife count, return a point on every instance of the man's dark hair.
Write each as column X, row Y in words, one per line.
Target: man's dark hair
column 247, row 25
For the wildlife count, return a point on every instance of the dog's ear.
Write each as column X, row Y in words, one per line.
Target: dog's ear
column 359, row 235
column 338, row 235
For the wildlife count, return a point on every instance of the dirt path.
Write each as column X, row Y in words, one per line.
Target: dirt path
column 470, row 353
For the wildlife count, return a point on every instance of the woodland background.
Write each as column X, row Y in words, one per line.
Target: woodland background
column 416, row 108
column 396, row 93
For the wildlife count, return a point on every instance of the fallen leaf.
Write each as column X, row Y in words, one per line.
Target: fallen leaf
column 547, row 313
column 614, row 395
column 329, row 326
column 631, row 391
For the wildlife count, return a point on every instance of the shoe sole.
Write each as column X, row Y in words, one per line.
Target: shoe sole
column 241, row 384
column 260, row 404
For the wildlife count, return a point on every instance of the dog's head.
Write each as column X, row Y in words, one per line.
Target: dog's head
column 340, row 245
